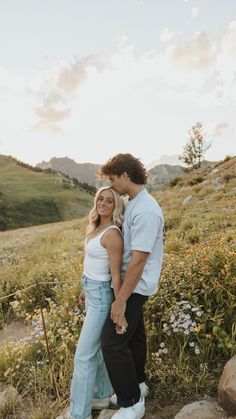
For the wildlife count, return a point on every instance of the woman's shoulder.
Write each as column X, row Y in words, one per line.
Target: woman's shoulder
column 112, row 238
column 112, row 231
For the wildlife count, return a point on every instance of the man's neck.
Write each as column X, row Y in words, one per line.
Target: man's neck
column 134, row 190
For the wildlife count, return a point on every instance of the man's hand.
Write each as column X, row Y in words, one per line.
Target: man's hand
column 118, row 313
column 82, row 298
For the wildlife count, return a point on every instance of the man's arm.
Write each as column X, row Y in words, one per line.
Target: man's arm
column 132, row 276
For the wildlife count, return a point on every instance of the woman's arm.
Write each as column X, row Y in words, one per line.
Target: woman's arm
column 113, row 242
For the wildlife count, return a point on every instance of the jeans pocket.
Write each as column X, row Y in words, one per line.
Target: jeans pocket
column 107, row 299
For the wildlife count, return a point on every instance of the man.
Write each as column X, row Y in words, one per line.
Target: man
column 123, row 336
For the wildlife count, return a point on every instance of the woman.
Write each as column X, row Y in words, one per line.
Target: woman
column 102, row 264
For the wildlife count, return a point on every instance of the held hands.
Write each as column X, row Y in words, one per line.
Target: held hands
column 118, row 316
column 123, row 329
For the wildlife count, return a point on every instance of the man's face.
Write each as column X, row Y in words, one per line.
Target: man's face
column 119, row 183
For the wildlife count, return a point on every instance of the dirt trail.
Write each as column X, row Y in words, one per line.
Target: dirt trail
column 13, row 332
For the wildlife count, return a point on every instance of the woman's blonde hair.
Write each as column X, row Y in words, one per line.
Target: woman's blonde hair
column 117, row 216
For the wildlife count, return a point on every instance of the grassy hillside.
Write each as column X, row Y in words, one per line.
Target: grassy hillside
column 190, row 322
column 31, row 198
column 200, row 206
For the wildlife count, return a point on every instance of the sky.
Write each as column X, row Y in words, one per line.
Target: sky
column 93, row 78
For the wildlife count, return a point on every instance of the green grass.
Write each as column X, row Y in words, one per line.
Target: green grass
column 32, row 198
column 198, row 267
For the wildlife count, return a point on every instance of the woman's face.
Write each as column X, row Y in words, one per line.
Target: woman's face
column 105, row 204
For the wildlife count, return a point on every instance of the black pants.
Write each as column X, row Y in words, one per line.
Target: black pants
column 125, row 355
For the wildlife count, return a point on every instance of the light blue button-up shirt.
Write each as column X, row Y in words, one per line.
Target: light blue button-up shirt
column 143, row 231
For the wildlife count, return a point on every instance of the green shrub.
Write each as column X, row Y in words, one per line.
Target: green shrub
column 28, row 362
column 11, row 406
column 172, row 220
column 187, row 224
column 228, row 176
column 173, row 246
column 194, row 235
column 27, row 213
column 174, row 181
column 191, row 321
column 195, row 181
column 227, row 158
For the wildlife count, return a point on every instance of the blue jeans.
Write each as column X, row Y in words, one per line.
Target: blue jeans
column 90, row 379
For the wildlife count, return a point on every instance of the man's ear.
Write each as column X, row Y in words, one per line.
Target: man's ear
column 125, row 175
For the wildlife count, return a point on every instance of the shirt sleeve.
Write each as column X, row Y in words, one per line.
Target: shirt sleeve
column 144, row 231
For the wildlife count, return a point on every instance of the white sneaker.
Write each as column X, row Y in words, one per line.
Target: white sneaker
column 99, row 404
column 67, row 415
column 143, row 389
column 137, row 411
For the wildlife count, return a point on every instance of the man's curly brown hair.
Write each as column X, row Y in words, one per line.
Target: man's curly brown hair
column 121, row 163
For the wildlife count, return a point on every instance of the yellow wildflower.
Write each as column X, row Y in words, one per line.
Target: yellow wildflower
column 198, row 328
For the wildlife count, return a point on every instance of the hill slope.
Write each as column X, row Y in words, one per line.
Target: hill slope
column 83, row 172
column 197, row 288
column 162, row 174
column 159, row 175
column 29, row 197
column 200, row 205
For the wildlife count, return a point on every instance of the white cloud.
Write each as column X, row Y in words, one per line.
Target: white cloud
column 220, row 129
column 228, row 40
column 195, row 11
column 55, row 90
column 166, row 35
column 226, row 61
column 49, row 116
column 175, row 75
column 129, row 103
column 199, row 53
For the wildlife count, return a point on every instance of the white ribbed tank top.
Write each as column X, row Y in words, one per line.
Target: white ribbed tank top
column 96, row 261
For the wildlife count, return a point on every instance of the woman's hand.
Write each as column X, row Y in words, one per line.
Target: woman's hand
column 82, row 298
